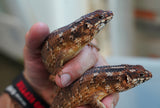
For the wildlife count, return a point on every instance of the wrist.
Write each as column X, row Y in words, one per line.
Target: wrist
column 21, row 91
column 43, row 87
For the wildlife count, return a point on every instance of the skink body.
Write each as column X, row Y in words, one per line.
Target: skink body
column 65, row 43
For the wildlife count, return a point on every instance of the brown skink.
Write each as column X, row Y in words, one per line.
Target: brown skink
column 65, row 43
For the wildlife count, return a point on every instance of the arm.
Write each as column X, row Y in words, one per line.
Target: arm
column 7, row 102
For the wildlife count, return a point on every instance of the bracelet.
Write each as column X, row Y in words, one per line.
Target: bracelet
column 24, row 94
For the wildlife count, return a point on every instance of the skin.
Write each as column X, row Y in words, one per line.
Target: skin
column 37, row 76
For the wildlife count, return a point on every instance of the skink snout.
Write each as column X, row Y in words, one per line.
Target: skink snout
column 110, row 13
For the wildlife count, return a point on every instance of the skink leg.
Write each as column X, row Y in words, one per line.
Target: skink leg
column 93, row 45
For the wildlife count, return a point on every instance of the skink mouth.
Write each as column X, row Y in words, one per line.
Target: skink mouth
column 108, row 18
column 149, row 75
column 110, row 13
column 106, row 21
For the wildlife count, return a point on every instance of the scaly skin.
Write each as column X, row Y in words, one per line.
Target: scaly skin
column 65, row 43
column 99, row 82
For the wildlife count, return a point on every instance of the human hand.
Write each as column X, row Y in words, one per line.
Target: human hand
column 36, row 74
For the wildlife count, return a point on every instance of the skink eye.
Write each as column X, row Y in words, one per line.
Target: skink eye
column 141, row 75
column 86, row 25
column 101, row 17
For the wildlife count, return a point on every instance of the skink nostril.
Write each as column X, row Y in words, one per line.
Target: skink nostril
column 110, row 13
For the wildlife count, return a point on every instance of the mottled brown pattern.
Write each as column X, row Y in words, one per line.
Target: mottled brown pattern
column 65, row 43
column 99, row 82
column 96, row 83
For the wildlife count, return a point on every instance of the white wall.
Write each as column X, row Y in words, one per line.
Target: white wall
column 122, row 28
column 20, row 15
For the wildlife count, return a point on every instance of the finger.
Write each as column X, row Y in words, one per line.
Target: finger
column 34, row 39
column 35, row 72
column 86, row 106
column 101, row 61
column 116, row 99
column 34, row 68
column 86, row 59
column 36, row 35
column 111, row 100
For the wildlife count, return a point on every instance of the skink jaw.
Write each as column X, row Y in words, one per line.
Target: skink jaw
column 104, row 18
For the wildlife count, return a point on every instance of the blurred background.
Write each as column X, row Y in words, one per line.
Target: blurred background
column 132, row 37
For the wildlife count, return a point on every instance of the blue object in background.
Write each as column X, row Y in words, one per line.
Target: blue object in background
column 146, row 95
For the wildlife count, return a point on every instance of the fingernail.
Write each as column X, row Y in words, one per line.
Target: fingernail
column 65, row 79
column 114, row 102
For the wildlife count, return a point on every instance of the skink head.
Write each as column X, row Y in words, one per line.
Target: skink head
column 86, row 27
column 95, row 21
column 99, row 18
column 136, row 74
column 118, row 78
